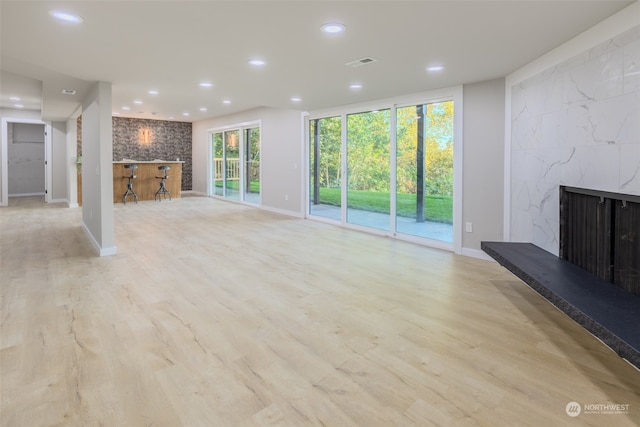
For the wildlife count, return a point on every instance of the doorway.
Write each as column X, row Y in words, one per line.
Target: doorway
column 24, row 159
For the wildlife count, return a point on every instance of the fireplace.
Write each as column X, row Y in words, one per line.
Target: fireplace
column 600, row 232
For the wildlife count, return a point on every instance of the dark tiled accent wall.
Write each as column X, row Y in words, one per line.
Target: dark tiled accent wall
column 165, row 140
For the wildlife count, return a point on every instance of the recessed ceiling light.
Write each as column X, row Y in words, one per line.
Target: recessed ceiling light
column 126, row 108
column 14, row 98
column 68, row 91
column 115, row 113
column 296, row 99
column 226, row 101
column 153, row 92
column 257, row 62
column 435, row 68
column 355, row 86
column 65, row 16
column 206, row 84
column 203, row 108
column 137, row 102
column 333, row 28
column 185, row 114
column 18, row 105
column 171, row 118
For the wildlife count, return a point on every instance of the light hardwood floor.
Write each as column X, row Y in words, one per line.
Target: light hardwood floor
column 218, row 314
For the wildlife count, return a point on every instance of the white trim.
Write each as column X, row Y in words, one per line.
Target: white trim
column 26, row 194
column 48, row 172
column 476, row 253
column 194, row 193
column 72, row 205
column 614, row 25
column 4, row 153
column 59, row 201
column 99, row 251
column 458, row 166
column 274, row 210
column 506, row 203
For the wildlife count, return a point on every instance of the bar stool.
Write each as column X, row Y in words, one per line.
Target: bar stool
column 132, row 175
column 162, row 191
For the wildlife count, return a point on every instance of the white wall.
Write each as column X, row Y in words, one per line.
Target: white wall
column 483, row 176
column 97, row 169
column 280, row 157
column 25, row 159
column 574, row 119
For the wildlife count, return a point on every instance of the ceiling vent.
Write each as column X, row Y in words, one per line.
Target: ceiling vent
column 360, row 62
column 68, row 92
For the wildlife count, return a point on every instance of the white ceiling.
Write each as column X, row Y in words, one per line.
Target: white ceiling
column 171, row 46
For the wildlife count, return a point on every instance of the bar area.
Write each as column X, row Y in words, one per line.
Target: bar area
column 146, row 183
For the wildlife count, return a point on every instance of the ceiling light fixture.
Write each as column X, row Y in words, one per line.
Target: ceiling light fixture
column 435, row 68
column 126, row 108
column 14, row 98
column 206, row 84
column 137, row 102
column 333, row 28
column 355, row 86
column 153, row 92
column 68, row 91
column 226, row 101
column 203, row 109
column 296, row 99
column 65, row 16
column 115, row 113
column 18, row 105
column 185, row 114
column 257, row 62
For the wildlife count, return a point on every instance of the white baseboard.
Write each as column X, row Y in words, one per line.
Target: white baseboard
column 99, row 250
column 58, row 201
column 25, row 194
column 282, row 211
column 194, row 193
column 476, row 253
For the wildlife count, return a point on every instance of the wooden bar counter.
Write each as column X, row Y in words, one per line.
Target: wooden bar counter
column 146, row 184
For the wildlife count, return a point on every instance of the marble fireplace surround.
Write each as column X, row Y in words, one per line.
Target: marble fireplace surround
column 575, row 124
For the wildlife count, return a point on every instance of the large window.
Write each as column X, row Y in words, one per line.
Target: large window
column 325, row 167
column 235, row 165
column 369, row 169
column 424, row 170
column 390, row 169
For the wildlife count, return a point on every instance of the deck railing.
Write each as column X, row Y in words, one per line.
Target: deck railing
column 233, row 169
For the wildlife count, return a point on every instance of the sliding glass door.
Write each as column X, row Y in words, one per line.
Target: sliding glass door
column 251, row 145
column 369, row 169
column 325, row 167
column 390, row 169
column 235, row 167
column 424, row 170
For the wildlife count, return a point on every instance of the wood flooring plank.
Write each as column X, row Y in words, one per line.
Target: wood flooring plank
column 219, row 314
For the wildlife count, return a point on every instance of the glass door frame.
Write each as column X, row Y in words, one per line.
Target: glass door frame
column 447, row 94
column 240, row 127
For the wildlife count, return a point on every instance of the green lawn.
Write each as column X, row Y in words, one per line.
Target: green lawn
column 436, row 208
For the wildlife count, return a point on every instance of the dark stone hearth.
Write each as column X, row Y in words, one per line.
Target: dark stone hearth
column 607, row 311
